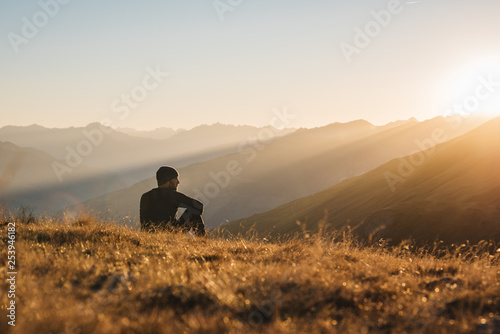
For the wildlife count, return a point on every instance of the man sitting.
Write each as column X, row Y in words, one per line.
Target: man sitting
column 159, row 206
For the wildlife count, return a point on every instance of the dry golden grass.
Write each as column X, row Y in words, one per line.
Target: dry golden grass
column 85, row 276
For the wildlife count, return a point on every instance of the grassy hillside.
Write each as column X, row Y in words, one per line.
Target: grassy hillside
column 86, row 276
column 451, row 193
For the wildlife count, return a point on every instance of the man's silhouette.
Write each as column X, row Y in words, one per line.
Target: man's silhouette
column 159, row 206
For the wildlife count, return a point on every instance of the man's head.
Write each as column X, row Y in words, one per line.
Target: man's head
column 167, row 177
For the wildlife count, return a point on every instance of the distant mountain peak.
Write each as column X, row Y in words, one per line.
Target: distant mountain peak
column 217, row 125
column 97, row 125
column 36, row 126
column 359, row 123
column 23, row 128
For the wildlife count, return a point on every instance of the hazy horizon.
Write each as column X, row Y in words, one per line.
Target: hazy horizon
column 199, row 125
column 486, row 115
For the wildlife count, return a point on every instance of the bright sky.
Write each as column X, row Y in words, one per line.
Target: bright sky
column 90, row 60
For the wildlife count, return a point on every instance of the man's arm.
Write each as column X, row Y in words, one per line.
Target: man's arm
column 193, row 205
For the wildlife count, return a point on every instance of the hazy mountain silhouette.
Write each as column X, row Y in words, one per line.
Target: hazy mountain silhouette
column 220, row 135
column 270, row 174
column 159, row 133
column 130, row 156
column 450, row 192
column 27, row 178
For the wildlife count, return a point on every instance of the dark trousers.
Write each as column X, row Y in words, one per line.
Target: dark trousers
column 190, row 220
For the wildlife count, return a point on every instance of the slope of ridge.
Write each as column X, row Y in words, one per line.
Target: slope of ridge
column 450, row 192
column 267, row 174
column 203, row 134
column 27, row 178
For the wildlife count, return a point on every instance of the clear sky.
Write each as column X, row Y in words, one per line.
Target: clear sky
column 84, row 56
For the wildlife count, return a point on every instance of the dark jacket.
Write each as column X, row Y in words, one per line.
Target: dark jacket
column 159, row 207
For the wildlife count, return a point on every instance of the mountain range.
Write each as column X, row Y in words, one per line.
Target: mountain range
column 265, row 175
column 134, row 157
column 71, row 165
column 450, row 192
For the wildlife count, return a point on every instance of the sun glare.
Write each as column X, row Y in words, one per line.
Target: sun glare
column 473, row 88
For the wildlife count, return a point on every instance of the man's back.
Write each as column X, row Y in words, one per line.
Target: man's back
column 159, row 207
